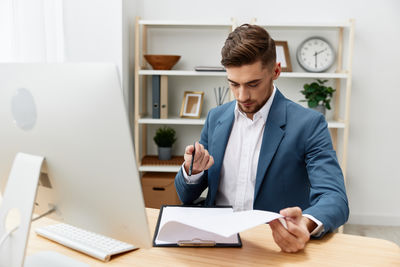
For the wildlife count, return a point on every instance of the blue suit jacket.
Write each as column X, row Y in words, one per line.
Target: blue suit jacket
column 297, row 164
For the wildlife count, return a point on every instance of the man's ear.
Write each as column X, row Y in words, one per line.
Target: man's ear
column 276, row 70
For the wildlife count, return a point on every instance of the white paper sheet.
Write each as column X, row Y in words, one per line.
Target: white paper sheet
column 218, row 224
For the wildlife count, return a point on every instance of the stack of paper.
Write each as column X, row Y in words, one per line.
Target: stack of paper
column 218, row 224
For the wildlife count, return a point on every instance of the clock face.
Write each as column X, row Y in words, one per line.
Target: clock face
column 315, row 54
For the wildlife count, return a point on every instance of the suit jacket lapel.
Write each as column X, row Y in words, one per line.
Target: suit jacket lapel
column 219, row 141
column 273, row 134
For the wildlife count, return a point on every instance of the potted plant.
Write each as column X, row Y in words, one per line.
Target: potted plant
column 318, row 96
column 164, row 138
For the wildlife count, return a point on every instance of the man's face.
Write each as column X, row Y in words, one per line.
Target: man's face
column 252, row 85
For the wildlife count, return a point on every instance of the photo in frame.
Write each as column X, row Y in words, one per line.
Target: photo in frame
column 192, row 104
column 283, row 56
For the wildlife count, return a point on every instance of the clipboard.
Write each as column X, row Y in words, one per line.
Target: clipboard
column 195, row 241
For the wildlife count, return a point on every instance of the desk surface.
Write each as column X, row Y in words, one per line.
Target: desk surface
column 258, row 249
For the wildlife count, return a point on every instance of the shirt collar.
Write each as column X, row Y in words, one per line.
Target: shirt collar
column 262, row 113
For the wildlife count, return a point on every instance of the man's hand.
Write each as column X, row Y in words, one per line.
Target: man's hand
column 297, row 235
column 202, row 159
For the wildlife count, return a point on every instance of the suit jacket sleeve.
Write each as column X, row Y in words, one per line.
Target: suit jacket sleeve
column 188, row 193
column 328, row 200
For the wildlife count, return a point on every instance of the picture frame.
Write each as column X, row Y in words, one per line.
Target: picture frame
column 283, row 56
column 192, row 104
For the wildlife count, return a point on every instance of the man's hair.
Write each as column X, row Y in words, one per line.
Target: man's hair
column 246, row 45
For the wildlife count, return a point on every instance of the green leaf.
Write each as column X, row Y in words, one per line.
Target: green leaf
column 327, row 105
column 322, row 81
column 316, row 93
column 165, row 137
column 312, row 103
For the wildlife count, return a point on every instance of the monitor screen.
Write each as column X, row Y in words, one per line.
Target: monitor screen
column 74, row 115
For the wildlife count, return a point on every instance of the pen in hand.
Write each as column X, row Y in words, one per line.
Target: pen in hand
column 191, row 163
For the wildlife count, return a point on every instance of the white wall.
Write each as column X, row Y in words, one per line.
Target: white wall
column 373, row 174
column 93, row 31
column 99, row 31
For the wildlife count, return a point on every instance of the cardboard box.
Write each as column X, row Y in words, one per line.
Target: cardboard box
column 159, row 189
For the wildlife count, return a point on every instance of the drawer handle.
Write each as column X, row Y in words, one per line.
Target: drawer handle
column 158, row 188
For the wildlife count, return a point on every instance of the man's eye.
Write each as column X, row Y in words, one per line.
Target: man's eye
column 253, row 85
column 234, row 84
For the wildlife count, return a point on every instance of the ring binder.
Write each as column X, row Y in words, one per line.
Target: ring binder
column 156, row 96
column 193, row 240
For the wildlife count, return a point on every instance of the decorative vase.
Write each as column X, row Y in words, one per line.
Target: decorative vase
column 320, row 108
column 164, row 153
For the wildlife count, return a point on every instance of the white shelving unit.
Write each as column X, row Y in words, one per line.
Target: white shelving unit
column 339, row 123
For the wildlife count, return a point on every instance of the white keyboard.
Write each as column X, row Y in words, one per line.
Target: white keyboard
column 95, row 245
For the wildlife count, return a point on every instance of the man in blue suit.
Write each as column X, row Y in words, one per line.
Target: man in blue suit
column 264, row 151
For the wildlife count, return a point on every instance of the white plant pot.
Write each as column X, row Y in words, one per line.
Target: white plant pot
column 164, row 153
column 320, row 108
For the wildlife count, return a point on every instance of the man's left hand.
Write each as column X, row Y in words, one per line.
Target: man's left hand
column 297, row 235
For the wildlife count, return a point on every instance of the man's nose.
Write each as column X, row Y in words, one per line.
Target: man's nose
column 243, row 94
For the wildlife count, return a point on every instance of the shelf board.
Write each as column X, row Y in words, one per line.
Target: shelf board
column 172, row 120
column 151, row 163
column 183, row 121
column 336, row 125
column 325, row 25
column 182, row 73
column 329, row 75
column 160, row 168
column 198, row 23
column 228, row 23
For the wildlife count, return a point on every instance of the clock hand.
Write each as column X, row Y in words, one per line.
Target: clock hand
column 319, row 52
column 315, row 56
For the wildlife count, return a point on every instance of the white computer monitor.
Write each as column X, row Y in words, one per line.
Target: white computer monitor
column 74, row 115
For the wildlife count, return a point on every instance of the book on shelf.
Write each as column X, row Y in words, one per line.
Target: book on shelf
column 159, row 96
column 155, row 96
column 164, row 97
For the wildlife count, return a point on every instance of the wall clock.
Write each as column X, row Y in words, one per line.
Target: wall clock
column 315, row 54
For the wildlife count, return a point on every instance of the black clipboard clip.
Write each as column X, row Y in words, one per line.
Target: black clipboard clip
column 196, row 242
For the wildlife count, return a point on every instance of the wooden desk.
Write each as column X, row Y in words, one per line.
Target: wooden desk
column 258, row 249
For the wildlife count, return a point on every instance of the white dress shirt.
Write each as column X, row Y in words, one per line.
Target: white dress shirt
column 239, row 167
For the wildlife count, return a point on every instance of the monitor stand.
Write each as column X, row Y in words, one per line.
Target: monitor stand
column 16, row 210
